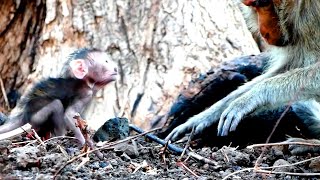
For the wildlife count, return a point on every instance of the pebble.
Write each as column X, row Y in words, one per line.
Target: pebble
column 95, row 165
column 125, row 157
column 114, row 162
column 281, row 162
column 315, row 165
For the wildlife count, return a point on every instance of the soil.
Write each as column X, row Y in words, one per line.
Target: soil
column 141, row 159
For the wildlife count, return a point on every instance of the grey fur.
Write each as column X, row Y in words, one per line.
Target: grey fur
column 293, row 74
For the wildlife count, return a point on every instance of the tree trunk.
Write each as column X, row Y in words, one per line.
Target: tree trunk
column 159, row 46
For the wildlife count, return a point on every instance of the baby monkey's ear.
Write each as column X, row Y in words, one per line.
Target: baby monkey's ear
column 79, row 68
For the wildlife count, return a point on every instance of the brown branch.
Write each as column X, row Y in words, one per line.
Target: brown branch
column 83, row 126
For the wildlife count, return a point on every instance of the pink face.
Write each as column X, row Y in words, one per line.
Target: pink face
column 103, row 70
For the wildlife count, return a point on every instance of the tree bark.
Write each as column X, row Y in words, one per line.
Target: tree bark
column 21, row 24
column 159, row 46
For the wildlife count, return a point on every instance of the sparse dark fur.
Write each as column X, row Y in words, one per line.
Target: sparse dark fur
column 52, row 103
column 43, row 93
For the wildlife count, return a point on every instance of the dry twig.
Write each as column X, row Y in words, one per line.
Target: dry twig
column 83, row 162
column 288, row 173
column 64, row 152
column 181, row 164
column 164, row 150
column 225, row 155
column 282, row 144
column 38, row 138
column 82, row 124
column 257, row 169
column 24, row 142
column 187, row 144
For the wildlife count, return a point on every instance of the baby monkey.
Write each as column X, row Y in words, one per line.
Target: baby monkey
column 52, row 103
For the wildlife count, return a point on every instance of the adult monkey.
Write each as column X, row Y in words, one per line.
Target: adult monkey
column 292, row 28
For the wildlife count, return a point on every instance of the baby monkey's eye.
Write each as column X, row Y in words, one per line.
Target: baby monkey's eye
column 106, row 61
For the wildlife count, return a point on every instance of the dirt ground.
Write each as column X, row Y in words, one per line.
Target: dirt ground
column 141, row 159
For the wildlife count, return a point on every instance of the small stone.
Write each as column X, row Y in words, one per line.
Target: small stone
column 95, row 165
column 225, row 173
column 281, row 162
column 68, row 173
column 113, row 129
column 81, row 170
column 103, row 164
column 125, row 157
column 5, row 144
column 315, row 165
column 114, row 162
column 26, row 156
column 242, row 159
column 277, row 151
column 130, row 150
column 72, row 151
column 264, row 165
column 206, row 166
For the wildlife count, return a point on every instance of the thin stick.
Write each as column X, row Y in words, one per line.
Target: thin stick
column 225, row 155
column 237, row 172
column 201, row 158
column 4, row 94
column 187, row 144
column 125, row 102
column 38, row 138
column 272, row 167
column 187, row 169
column 57, row 137
column 24, row 142
column 288, row 173
column 281, row 144
column 270, row 135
